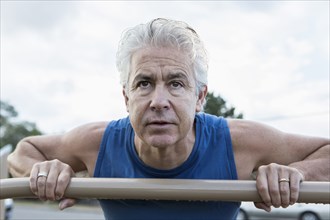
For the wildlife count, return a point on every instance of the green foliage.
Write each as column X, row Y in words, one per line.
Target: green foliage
column 216, row 105
column 11, row 130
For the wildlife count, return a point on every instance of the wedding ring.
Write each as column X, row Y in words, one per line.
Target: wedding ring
column 284, row 180
column 42, row 174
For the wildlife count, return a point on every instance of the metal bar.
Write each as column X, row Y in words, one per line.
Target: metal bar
column 4, row 152
column 164, row 189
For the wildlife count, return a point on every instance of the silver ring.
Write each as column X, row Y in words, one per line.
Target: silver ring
column 42, row 174
column 284, row 180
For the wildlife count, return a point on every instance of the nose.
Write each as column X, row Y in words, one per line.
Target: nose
column 160, row 99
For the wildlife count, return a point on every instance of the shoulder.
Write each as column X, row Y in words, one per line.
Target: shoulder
column 210, row 120
column 85, row 137
column 251, row 131
column 254, row 138
column 91, row 131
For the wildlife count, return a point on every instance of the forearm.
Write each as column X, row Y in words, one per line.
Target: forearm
column 315, row 167
column 20, row 162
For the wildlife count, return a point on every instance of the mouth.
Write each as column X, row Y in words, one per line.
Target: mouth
column 159, row 123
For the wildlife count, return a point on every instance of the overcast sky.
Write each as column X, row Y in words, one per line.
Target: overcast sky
column 270, row 59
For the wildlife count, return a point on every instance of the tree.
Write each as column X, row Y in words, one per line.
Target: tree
column 12, row 130
column 216, row 105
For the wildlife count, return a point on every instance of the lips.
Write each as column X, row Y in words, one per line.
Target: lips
column 159, row 122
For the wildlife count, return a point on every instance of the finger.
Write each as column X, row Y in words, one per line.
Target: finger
column 273, row 186
column 66, row 203
column 41, row 185
column 284, row 186
column 262, row 186
column 295, row 180
column 261, row 205
column 33, row 179
column 285, row 193
column 63, row 181
column 51, row 183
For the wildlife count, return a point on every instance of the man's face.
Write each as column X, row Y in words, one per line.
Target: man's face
column 161, row 97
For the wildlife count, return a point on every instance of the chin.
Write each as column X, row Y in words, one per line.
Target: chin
column 161, row 142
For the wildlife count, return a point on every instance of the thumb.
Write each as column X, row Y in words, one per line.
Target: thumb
column 66, row 203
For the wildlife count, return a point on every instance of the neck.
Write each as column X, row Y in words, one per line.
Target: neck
column 164, row 158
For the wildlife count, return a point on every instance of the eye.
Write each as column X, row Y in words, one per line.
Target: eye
column 176, row 84
column 143, row 84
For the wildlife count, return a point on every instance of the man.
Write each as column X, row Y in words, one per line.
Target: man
column 163, row 67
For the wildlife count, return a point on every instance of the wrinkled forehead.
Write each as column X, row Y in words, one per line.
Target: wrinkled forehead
column 152, row 57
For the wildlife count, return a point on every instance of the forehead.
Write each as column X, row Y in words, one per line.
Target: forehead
column 155, row 58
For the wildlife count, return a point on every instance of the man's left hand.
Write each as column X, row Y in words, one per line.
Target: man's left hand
column 278, row 186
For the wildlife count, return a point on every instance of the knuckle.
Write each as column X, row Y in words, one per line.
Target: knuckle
column 268, row 168
column 273, row 165
column 36, row 165
column 284, row 192
column 56, row 160
column 262, row 167
column 66, row 167
column 61, row 181
column 281, row 169
column 273, row 191
column 58, row 193
column 262, row 188
column 34, row 189
column 57, row 163
column 49, row 185
column 33, row 179
column 294, row 189
column 41, row 184
column 45, row 163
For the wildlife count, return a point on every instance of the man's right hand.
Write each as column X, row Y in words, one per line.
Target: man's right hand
column 49, row 180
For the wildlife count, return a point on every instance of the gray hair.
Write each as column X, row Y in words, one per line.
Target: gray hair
column 162, row 32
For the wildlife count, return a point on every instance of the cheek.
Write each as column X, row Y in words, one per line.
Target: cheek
column 136, row 109
column 186, row 111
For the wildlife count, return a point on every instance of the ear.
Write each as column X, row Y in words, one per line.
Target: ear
column 126, row 98
column 201, row 97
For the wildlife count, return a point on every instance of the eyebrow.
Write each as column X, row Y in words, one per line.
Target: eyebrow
column 141, row 77
column 151, row 77
column 177, row 75
column 174, row 75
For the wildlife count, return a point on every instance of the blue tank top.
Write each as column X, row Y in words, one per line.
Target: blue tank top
column 211, row 158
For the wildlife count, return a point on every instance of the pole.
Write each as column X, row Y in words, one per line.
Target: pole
column 164, row 189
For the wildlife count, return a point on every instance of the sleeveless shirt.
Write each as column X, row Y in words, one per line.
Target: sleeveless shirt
column 211, row 158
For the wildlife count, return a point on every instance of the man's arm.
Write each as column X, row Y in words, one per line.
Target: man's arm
column 58, row 157
column 278, row 155
column 78, row 148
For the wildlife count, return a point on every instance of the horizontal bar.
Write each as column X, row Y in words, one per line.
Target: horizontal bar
column 164, row 189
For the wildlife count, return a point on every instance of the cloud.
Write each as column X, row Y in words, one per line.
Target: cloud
column 35, row 15
column 266, row 58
